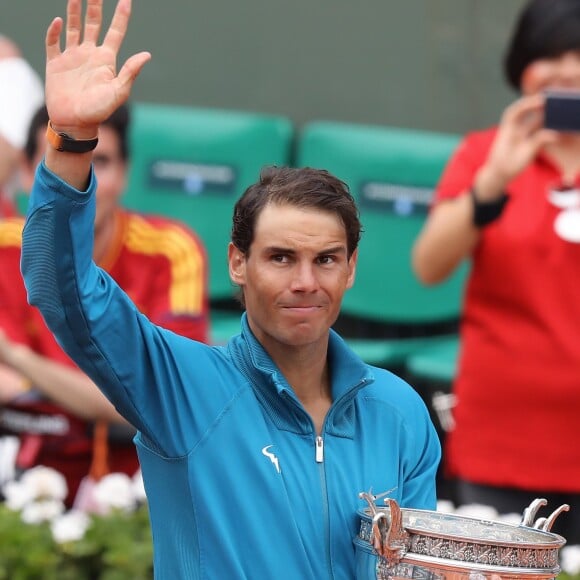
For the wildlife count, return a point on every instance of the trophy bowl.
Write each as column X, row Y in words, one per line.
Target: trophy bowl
column 395, row 542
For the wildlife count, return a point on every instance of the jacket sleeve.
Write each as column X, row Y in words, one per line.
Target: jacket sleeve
column 143, row 369
column 421, row 460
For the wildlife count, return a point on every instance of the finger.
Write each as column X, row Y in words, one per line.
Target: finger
column 129, row 73
column 119, row 23
column 53, row 39
column 529, row 105
column 93, row 20
column 522, row 107
column 544, row 137
column 73, row 23
column 530, row 115
column 532, row 120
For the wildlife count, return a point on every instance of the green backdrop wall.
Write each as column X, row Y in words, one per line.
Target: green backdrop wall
column 426, row 64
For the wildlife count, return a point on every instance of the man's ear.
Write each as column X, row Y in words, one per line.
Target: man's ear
column 237, row 265
column 352, row 269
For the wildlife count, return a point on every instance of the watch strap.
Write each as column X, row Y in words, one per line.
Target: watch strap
column 63, row 142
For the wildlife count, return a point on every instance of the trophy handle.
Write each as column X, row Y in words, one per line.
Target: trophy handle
column 547, row 526
column 389, row 536
column 544, row 524
column 530, row 512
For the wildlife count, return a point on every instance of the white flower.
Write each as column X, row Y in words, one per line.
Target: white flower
column 17, row 495
column 114, row 491
column 445, row 506
column 479, row 511
column 570, row 559
column 46, row 482
column 9, row 446
column 139, row 487
column 42, row 511
column 70, row 527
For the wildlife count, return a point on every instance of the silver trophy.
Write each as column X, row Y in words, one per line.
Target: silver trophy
column 395, row 542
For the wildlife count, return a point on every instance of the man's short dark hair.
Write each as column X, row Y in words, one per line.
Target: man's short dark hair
column 118, row 121
column 300, row 187
column 544, row 29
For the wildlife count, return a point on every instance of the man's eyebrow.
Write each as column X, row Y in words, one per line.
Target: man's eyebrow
column 278, row 250
column 282, row 250
column 334, row 250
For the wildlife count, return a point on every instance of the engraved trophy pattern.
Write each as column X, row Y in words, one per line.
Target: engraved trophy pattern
column 432, row 545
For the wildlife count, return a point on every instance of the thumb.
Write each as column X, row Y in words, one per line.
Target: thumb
column 130, row 71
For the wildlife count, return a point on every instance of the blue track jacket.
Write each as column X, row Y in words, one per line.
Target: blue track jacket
column 238, row 482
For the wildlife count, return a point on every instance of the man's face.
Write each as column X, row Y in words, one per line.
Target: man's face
column 110, row 171
column 295, row 275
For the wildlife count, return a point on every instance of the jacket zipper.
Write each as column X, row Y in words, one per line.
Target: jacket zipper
column 319, row 453
column 319, row 458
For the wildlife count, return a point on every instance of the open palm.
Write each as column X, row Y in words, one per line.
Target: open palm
column 83, row 87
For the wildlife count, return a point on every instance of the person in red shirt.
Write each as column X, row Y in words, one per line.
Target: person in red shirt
column 45, row 399
column 508, row 201
column 21, row 94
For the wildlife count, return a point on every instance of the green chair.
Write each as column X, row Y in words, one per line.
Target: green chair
column 435, row 362
column 432, row 370
column 192, row 164
column 391, row 173
column 21, row 201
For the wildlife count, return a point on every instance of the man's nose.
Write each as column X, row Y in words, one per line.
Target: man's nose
column 304, row 278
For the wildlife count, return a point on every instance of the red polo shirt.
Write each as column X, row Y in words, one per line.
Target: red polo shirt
column 518, row 383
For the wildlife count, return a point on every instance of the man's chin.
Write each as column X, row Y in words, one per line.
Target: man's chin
column 303, row 335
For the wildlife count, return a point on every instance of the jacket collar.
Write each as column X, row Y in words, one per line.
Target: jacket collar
column 347, row 371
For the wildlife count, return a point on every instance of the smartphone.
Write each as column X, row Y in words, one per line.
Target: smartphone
column 562, row 111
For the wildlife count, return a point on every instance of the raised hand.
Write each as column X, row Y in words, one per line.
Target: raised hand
column 519, row 137
column 83, row 87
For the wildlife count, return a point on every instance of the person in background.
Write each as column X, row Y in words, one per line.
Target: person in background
column 20, row 96
column 504, row 203
column 61, row 418
column 254, row 453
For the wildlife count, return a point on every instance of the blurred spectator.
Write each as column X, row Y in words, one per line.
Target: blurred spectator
column 20, row 97
column 51, row 405
column 509, row 200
